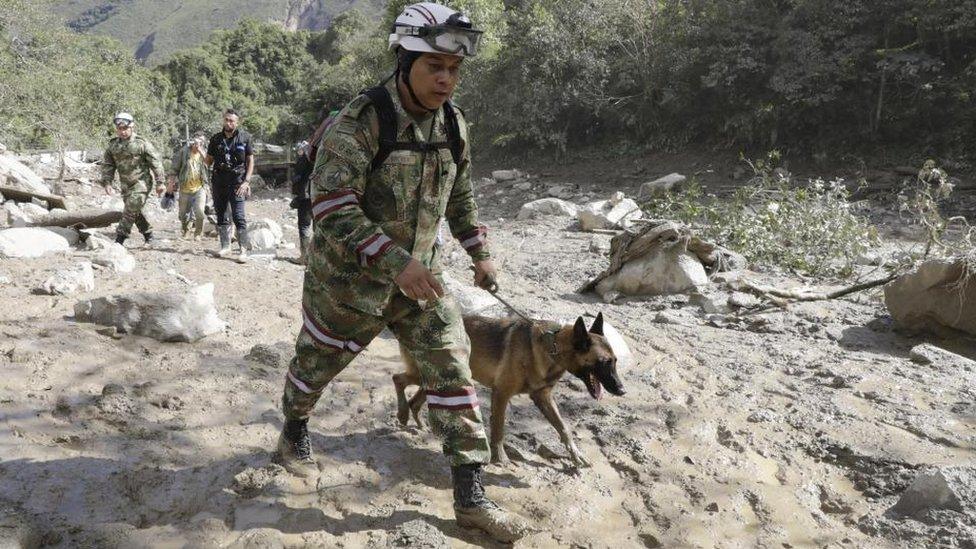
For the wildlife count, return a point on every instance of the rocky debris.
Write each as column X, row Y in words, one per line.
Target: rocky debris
column 548, row 207
column 929, row 354
column 659, row 187
column 15, row 174
column 274, row 356
column 764, row 415
column 114, row 256
column 270, row 225
column 420, row 534
column 947, row 488
column 617, row 212
column 263, row 241
column 186, row 315
column 741, row 300
column 23, row 214
column 710, row 301
column 504, row 176
column 251, row 481
column 67, row 281
column 29, row 242
column 471, row 300
column 938, row 294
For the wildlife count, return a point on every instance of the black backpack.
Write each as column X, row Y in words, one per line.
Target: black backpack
column 380, row 97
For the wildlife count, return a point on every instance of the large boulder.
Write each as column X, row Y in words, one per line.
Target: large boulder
column 67, row 281
column 178, row 314
column 268, row 224
column 660, row 187
column 15, row 174
column 28, row 242
column 617, row 212
column 114, row 256
column 938, row 294
column 548, row 207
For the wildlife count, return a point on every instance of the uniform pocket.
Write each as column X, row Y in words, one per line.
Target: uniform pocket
column 400, row 173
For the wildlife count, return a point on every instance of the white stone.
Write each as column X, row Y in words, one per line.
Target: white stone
column 625, row 358
column 929, row 354
column 178, row 314
column 501, row 176
column 742, row 300
column 79, row 278
column 471, row 299
column 547, row 207
column 268, row 224
column 16, row 174
column 115, row 257
column 659, row 187
column 15, row 215
column 27, row 242
column 618, row 212
column 263, row 240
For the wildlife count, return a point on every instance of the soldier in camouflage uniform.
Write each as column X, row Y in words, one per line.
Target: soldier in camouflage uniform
column 134, row 159
column 374, row 257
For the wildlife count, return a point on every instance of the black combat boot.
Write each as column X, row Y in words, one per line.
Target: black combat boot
column 295, row 448
column 473, row 509
column 149, row 238
column 120, row 239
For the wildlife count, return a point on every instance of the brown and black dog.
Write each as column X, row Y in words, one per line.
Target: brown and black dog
column 512, row 356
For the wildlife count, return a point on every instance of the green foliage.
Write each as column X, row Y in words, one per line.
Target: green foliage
column 59, row 89
column 809, row 229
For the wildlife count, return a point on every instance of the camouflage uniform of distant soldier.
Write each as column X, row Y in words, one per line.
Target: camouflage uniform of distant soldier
column 135, row 160
column 372, row 226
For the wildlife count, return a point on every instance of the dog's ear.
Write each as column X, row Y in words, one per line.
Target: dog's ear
column 597, row 327
column 581, row 339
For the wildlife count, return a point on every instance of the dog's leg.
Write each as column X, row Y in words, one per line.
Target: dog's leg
column 544, row 401
column 416, row 403
column 499, row 404
column 400, row 383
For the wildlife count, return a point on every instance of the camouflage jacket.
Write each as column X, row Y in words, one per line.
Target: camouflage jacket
column 369, row 224
column 134, row 159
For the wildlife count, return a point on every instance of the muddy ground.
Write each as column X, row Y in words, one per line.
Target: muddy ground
column 787, row 428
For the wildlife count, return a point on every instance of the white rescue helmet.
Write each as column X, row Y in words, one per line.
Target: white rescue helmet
column 123, row 119
column 427, row 27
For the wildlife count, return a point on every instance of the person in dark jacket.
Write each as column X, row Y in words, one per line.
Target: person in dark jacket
column 232, row 157
column 302, row 201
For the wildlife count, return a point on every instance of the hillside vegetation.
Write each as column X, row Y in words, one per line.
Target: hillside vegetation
column 155, row 30
column 815, row 77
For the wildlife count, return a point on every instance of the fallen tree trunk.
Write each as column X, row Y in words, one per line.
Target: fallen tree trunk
column 22, row 195
column 86, row 219
column 811, row 295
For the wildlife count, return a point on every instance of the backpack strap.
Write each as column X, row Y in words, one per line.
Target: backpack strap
column 386, row 113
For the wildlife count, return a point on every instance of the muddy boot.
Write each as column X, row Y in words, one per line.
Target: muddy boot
column 295, row 449
column 245, row 242
column 472, row 509
column 303, row 250
column 149, row 238
column 224, row 233
column 120, row 239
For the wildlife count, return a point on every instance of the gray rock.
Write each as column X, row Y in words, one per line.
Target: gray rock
column 419, row 534
column 742, row 300
column 16, row 174
column 948, row 488
column 471, row 300
column 710, row 302
column 501, row 176
column 659, row 187
column 178, row 315
column 269, row 224
column 266, row 354
column 762, row 416
column 929, row 354
column 263, row 240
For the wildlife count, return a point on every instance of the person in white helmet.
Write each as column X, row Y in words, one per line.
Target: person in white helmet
column 137, row 164
column 391, row 166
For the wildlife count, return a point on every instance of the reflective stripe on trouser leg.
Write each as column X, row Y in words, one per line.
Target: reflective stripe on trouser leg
column 436, row 340
column 332, row 336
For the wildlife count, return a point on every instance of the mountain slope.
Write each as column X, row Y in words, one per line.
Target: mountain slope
column 155, row 30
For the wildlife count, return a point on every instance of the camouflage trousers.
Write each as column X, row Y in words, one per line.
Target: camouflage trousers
column 333, row 334
column 135, row 200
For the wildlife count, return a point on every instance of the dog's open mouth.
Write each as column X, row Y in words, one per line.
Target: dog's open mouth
column 593, row 386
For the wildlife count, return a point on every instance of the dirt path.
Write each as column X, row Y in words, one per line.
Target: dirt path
column 793, row 428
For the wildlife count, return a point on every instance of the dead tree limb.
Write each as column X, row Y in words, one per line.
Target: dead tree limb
column 88, row 219
column 810, row 295
column 22, row 195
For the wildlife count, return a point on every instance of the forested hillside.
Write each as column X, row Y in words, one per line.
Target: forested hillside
column 811, row 77
column 155, row 30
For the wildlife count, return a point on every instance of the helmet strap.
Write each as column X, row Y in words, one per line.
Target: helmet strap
column 405, row 61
